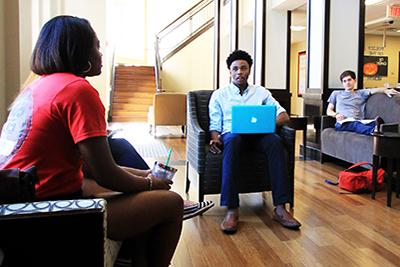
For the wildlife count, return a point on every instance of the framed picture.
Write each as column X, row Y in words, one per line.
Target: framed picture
column 375, row 66
column 301, row 73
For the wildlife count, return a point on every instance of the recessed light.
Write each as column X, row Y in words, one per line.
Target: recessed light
column 297, row 28
column 372, row 2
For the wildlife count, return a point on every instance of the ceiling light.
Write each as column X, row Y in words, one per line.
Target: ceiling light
column 297, row 28
column 372, row 2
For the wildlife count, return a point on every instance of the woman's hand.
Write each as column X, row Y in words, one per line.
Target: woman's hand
column 160, row 184
column 143, row 173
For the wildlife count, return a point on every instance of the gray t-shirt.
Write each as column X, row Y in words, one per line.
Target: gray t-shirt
column 350, row 104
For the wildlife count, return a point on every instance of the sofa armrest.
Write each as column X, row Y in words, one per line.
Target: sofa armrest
column 390, row 128
column 327, row 122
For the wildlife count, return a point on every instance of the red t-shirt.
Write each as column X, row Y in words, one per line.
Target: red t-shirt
column 46, row 122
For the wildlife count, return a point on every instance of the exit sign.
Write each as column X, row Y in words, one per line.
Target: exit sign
column 395, row 10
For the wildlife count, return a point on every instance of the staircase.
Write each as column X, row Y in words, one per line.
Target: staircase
column 134, row 88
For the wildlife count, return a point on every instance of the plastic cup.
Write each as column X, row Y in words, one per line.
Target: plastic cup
column 162, row 171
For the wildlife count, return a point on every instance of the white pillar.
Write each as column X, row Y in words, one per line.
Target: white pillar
column 343, row 39
column 276, row 50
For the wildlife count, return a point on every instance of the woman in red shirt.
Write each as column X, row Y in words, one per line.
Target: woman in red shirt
column 58, row 123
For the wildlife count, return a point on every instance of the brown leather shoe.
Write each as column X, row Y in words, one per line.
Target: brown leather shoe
column 231, row 221
column 286, row 220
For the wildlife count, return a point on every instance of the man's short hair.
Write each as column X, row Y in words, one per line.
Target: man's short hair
column 238, row 55
column 347, row 73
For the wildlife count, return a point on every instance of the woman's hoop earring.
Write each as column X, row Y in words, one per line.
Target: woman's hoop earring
column 88, row 68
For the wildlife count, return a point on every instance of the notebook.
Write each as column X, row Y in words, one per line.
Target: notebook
column 257, row 119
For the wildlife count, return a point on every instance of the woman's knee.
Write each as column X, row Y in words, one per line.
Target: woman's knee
column 172, row 202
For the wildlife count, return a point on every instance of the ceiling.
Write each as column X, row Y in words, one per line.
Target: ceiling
column 373, row 13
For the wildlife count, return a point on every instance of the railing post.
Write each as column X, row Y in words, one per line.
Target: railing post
column 157, row 65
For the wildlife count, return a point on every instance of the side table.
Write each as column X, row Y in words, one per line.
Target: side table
column 300, row 123
column 386, row 145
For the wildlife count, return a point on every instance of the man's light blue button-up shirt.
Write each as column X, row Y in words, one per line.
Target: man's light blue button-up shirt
column 222, row 100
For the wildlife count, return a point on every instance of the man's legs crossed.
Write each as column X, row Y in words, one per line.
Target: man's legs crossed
column 357, row 127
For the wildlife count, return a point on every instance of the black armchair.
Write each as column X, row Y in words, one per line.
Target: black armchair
column 254, row 171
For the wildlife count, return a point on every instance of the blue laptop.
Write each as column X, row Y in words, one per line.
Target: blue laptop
column 258, row 119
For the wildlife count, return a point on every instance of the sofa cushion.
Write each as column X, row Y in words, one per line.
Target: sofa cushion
column 348, row 146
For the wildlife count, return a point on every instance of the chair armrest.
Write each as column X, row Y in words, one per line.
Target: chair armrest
column 59, row 225
column 288, row 137
column 327, row 122
column 196, row 139
column 390, row 128
column 51, row 208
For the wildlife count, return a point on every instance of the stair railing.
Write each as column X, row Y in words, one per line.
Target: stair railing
column 180, row 32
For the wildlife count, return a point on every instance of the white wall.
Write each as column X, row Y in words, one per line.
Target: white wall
column 343, row 40
column 276, row 36
column 316, row 44
column 33, row 14
column 11, row 50
column 95, row 11
column 192, row 67
column 2, row 67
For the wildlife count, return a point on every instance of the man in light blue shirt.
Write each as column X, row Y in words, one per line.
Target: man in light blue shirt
column 239, row 92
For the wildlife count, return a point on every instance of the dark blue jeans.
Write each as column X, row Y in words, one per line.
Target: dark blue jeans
column 125, row 154
column 356, row 126
column 270, row 145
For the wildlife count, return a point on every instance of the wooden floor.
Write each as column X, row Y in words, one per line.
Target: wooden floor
column 339, row 229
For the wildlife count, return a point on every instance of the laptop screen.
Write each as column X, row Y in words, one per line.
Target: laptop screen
column 253, row 119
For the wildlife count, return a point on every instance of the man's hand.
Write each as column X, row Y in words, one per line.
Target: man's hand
column 339, row 117
column 215, row 146
column 390, row 92
column 215, row 142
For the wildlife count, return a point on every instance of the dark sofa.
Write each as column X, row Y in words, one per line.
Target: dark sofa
column 354, row 147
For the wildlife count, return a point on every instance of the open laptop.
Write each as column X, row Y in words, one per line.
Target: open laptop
column 258, row 119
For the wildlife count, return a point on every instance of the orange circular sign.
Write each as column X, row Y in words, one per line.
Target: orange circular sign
column 370, row 69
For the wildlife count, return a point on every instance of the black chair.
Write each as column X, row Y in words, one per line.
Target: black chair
column 254, row 173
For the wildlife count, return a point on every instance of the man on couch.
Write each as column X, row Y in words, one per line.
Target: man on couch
column 348, row 106
column 221, row 102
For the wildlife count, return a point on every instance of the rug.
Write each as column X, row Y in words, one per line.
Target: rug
column 150, row 149
column 144, row 143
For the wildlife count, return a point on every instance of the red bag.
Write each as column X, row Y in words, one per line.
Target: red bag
column 358, row 182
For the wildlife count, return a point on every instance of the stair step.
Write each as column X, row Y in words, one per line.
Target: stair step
column 130, row 107
column 134, row 94
column 129, row 119
column 134, row 89
column 135, row 69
